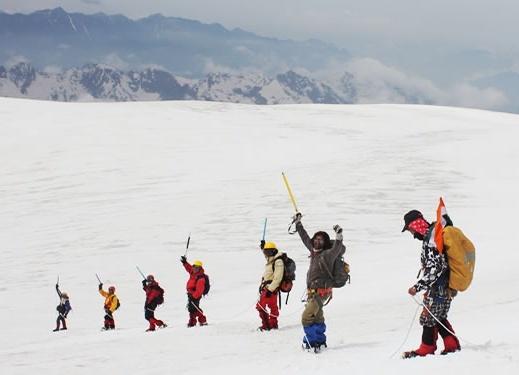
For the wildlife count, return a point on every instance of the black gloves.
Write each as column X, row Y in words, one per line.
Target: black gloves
column 183, row 259
column 100, row 286
column 262, row 244
column 144, row 282
column 297, row 218
column 268, row 293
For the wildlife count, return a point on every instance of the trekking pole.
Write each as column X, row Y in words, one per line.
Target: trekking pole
column 187, row 245
column 138, row 269
column 98, row 279
column 290, row 192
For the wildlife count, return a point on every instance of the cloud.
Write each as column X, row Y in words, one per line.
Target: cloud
column 379, row 83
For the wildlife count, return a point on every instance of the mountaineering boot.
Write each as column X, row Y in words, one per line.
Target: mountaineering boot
column 451, row 344
column 422, row 351
column 192, row 320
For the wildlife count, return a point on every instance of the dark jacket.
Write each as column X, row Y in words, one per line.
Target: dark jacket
column 318, row 276
column 64, row 304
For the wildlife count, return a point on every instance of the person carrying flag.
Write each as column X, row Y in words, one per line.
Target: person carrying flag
column 433, row 280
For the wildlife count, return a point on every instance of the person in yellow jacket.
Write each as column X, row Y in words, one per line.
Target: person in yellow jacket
column 267, row 305
column 111, row 304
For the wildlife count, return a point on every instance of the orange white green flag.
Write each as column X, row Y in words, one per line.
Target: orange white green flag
column 436, row 239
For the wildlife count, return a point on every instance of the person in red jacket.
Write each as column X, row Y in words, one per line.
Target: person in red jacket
column 154, row 297
column 195, row 290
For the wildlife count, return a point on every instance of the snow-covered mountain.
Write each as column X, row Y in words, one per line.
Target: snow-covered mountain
column 96, row 82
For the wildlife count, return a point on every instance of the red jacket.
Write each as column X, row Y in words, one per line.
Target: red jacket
column 195, row 285
column 152, row 292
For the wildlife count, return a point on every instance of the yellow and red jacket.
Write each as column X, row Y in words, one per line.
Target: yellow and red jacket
column 110, row 300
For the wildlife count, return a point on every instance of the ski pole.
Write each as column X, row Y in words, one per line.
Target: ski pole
column 290, row 192
column 100, row 282
column 264, row 229
column 187, row 245
column 138, row 269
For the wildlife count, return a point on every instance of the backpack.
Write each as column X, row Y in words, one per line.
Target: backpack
column 207, row 286
column 118, row 304
column 461, row 255
column 289, row 273
column 160, row 299
column 339, row 273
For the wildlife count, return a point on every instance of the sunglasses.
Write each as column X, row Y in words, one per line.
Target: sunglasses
column 319, row 240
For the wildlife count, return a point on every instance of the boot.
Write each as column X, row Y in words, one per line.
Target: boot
column 428, row 345
column 422, row 351
column 192, row 320
column 451, row 344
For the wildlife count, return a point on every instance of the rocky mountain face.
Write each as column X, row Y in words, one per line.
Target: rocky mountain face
column 97, row 82
column 54, row 37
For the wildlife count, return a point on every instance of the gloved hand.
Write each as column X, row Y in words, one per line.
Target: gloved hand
column 57, row 286
column 144, row 282
column 65, row 315
column 100, row 286
column 107, row 311
column 297, row 218
column 183, row 259
column 190, row 297
column 262, row 244
column 268, row 293
column 338, row 232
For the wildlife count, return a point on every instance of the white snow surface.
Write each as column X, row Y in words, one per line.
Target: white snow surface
column 102, row 188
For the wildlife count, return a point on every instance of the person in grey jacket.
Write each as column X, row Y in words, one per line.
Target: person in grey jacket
column 319, row 280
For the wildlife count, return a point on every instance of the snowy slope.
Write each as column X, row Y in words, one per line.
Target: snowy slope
column 105, row 187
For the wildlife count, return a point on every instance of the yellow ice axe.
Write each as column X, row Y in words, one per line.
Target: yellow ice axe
column 290, row 192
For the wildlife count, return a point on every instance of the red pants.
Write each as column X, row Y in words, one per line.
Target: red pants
column 268, row 310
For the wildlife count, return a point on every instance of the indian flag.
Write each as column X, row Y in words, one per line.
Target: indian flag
column 436, row 239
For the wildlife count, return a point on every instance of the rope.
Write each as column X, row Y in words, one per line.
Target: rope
column 276, row 316
column 235, row 316
column 470, row 344
column 407, row 334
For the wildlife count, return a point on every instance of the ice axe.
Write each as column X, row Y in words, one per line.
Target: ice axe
column 293, row 202
column 290, row 192
column 187, row 245
column 138, row 269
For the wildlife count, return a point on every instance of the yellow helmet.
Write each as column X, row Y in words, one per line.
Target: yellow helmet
column 270, row 245
column 197, row 263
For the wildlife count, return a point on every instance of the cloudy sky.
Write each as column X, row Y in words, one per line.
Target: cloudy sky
column 446, row 42
column 362, row 25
